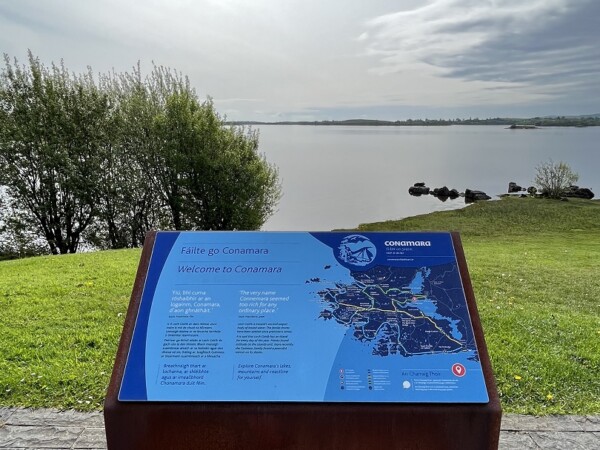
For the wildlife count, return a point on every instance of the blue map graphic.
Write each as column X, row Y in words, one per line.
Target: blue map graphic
column 404, row 311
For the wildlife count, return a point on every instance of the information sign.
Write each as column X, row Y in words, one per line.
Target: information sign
column 303, row 317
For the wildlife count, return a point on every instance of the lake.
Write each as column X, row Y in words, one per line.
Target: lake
column 339, row 177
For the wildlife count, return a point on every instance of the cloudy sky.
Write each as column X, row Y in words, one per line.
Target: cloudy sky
column 334, row 59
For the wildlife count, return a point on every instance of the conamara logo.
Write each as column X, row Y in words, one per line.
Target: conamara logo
column 407, row 243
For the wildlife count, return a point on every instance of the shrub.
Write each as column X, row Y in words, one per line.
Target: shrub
column 554, row 179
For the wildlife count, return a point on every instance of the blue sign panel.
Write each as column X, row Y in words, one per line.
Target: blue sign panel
column 306, row 317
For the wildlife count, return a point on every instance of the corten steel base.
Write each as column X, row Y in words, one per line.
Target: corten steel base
column 251, row 425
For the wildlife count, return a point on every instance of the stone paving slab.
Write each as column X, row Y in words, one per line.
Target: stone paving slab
column 514, row 440
column 5, row 413
column 519, row 422
column 588, row 423
column 559, row 440
column 40, row 417
column 27, row 437
column 91, row 438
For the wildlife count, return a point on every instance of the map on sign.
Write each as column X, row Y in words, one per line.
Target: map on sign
column 337, row 317
column 403, row 311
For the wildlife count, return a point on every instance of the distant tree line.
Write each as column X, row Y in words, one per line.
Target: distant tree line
column 103, row 159
column 560, row 121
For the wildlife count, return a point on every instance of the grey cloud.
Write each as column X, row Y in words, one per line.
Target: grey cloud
column 10, row 13
column 568, row 47
column 552, row 44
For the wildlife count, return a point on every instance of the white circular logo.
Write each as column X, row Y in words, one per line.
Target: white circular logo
column 357, row 250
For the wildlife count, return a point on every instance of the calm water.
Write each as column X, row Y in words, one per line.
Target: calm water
column 339, row 177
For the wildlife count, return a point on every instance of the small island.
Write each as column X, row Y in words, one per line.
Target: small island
column 514, row 126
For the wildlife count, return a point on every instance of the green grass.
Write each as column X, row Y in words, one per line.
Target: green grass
column 59, row 327
column 535, row 267
column 539, row 301
column 506, row 217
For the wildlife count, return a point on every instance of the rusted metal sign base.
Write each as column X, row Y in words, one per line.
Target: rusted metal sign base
column 277, row 425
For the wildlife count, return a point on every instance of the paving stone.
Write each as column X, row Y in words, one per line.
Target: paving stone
column 510, row 422
column 55, row 417
column 564, row 440
column 5, row 413
column 519, row 422
column 30, row 437
column 588, row 423
column 91, row 438
column 513, row 440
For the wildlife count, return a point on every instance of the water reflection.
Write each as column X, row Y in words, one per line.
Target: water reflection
column 338, row 177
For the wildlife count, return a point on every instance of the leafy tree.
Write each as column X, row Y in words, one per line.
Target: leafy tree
column 130, row 204
column 107, row 161
column 175, row 159
column 17, row 240
column 51, row 142
column 241, row 189
column 554, row 178
column 210, row 176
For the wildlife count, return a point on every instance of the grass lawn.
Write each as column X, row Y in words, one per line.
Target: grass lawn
column 60, row 325
column 539, row 302
column 535, row 267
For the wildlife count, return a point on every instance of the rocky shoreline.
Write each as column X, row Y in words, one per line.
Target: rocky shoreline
column 470, row 195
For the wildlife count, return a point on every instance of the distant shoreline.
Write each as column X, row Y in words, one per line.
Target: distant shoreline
column 518, row 123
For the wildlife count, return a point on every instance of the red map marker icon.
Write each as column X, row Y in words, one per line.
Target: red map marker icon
column 459, row 370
